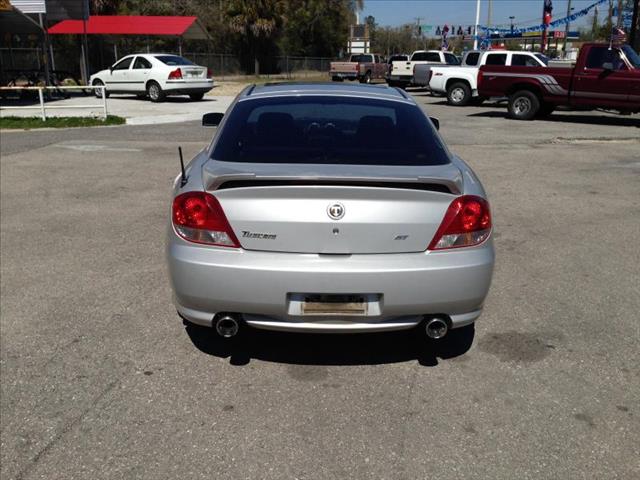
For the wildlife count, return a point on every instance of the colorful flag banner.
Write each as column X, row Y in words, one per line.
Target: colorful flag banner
column 556, row 23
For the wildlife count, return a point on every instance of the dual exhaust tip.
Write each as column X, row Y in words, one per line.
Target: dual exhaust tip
column 227, row 326
column 436, row 327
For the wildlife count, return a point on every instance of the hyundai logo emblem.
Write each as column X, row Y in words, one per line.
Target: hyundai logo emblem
column 335, row 211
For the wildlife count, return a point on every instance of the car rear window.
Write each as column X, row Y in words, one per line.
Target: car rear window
column 519, row 60
column 426, row 57
column 329, row 130
column 472, row 58
column 173, row 60
column 496, row 59
column 361, row 58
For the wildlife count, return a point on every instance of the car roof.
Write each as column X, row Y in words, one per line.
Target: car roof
column 283, row 89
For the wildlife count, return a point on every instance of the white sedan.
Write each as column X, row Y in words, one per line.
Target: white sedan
column 155, row 75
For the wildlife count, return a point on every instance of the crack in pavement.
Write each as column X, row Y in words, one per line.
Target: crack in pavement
column 26, row 470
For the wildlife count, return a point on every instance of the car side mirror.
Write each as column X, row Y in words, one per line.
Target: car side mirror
column 608, row 66
column 111, row 69
column 212, row 119
column 436, row 122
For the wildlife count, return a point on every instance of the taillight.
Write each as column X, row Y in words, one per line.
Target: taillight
column 430, row 75
column 480, row 78
column 466, row 223
column 175, row 74
column 209, row 73
column 198, row 217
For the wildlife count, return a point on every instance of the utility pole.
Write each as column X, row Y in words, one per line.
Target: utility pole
column 418, row 30
column 489, row 13
column 475, row 33
column 511, row 17
column 566, row 29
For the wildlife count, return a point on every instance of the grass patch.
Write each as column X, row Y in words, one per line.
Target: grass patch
column 28, row 123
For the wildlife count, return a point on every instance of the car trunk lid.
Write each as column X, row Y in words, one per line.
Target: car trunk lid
column 193, row 73
column 355, row 210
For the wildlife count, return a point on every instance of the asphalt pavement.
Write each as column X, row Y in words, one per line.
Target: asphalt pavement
column 100, row 379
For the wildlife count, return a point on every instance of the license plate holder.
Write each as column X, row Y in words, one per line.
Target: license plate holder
column 332, row 304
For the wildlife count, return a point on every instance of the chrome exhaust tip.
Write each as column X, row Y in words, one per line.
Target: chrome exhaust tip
column 227, row 326
column 436, row 328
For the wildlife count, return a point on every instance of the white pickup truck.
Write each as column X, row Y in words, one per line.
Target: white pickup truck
column 401, row 74
column 460, row 84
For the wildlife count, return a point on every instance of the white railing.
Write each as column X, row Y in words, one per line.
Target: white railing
column 43, row 108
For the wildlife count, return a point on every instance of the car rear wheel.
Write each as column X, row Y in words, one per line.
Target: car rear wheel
column 98, row 92
column 155, row 92
column 196, row 96
column 523, row 105
column 458, row 94
column 366, row 78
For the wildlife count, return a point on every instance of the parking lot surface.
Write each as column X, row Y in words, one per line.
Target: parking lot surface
column 100, row 378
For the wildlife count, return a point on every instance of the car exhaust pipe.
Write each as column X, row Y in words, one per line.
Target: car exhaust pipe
column 436, row 328
column 227, row 326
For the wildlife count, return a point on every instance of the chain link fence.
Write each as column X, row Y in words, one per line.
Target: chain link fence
column 221, row 64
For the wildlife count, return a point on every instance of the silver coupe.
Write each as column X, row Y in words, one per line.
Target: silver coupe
column 328, row 208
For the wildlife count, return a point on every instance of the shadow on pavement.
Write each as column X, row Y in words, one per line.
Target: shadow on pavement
column 331, row 349
column 169, row 99
column 588, row 119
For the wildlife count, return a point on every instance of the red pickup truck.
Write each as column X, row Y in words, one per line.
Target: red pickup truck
column 604, row 76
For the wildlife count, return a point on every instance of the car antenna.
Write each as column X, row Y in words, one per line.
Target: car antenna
column 183, row 180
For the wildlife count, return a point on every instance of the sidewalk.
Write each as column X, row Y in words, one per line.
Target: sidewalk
column 136, row 111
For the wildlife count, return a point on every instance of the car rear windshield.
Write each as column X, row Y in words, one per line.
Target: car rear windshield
column 329, row 130
column 173, row 60
column 361, row 58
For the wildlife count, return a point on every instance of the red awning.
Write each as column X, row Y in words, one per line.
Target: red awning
column 187, row 27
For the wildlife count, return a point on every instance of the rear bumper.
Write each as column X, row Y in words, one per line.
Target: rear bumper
column 344, row 74
column 257, row 285
column 185, row 87
column 404, row 79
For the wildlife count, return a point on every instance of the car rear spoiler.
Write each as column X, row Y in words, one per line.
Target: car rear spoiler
column 216, row 176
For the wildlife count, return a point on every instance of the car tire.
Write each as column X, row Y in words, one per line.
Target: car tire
column 458, row 94
column 523, row 105
column 366, row 78
column 155, row 93
column 196, row 96
column 336, row 79
column 98, row 93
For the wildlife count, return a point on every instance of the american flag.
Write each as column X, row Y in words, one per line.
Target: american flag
column 618, row 35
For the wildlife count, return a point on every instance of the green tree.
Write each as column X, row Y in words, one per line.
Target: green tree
column 315, row 27
column 257, row 25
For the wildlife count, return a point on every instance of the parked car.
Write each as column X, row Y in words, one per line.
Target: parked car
column 459, row 83
column 605, row 76
column 364, row 67
column 401, row 74
column 328, row 208
column 154, row 75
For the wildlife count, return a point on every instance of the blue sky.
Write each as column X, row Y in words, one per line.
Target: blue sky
column 438, row 12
